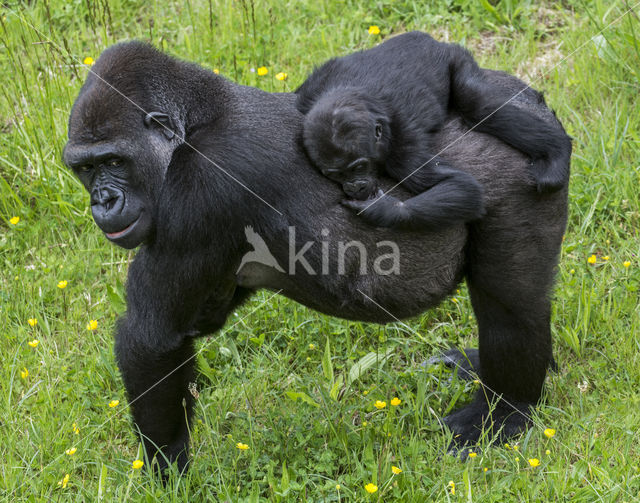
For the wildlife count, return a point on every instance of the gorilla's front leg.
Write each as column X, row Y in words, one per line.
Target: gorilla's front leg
column 213, row 313
column 157, row 378
column 154, row 344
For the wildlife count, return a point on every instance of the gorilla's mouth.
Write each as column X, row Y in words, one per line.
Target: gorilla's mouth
column 126, row 230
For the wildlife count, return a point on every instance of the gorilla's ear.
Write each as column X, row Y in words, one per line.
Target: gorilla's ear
column 161, row 121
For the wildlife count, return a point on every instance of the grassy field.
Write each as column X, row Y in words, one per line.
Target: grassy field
column 266, row 380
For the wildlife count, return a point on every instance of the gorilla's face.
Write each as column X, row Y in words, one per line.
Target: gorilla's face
column 123, row 172
column 347, row 140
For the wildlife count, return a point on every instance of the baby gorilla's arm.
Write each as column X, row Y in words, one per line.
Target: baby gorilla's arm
column 455, row 198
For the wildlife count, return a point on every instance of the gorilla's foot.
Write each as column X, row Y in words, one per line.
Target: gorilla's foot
column 164, row 461
column 497, row 422
column 466, row 362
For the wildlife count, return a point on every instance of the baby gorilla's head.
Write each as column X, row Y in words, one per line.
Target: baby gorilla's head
column 346, row 135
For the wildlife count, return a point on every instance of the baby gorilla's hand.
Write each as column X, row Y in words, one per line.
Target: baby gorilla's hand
column 360, row 205
column 382, row 210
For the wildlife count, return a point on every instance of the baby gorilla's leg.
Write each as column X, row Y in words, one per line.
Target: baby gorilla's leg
column 498, row 111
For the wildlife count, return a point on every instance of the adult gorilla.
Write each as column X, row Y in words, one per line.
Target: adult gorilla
column 182, row 161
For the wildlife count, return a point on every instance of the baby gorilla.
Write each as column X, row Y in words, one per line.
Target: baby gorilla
column 349, row 137
column 375, row 112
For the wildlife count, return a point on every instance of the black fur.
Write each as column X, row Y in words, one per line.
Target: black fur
column 377, row 111
column 187, row 198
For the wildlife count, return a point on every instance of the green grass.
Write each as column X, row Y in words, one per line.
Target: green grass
column 261, row 381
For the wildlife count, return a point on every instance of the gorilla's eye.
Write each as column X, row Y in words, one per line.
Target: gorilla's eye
column 114, row 163
column 331, row 172
column 85, row 168
column 378, row 131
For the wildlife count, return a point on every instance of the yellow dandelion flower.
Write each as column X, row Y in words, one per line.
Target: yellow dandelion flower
column 396, row 470
column 395, row 401
column 262, row 71
column 337, row 487
column 312, row 347
column 137, row 464
column 75, row 428
column 454, row 300
column 88, row 61
column 452, row 487
column 547, row 452
column 371, row 488
column 626, row 264
column 34, row 343
column 32, row 322
column 14, row 220
column 216, row 71
column 507, row 446
column 476, row 381
column 485, row 469
column 24, row 373
column 549, row 432
column 62, row 284
column 374, row 30
column 534, row 462
column 592, row 259
column 516, row 447
column 517, row 460
column 364, row 423
column 606, row 257
column 70, row 452
column 92, row 325
column 472, row 454
column 365, row 392
column 380, row 404
column 241, row 446
column 114, row 403
column 63, row 483
column 282, row 76
column 572, row 271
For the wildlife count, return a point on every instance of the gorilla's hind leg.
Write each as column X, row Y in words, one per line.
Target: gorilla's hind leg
column 510, row 286
column 514, row 354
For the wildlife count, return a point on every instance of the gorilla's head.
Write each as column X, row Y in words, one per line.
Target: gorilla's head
column 123, row 130
column 346, row 135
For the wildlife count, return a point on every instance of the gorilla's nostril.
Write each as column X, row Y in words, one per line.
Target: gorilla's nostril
column 110, row 203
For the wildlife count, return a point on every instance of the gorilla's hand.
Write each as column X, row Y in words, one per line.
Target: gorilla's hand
column 381, row 210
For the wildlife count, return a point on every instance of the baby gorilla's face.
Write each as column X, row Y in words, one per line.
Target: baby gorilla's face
column 358, row 179
column 345, row 141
